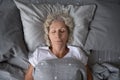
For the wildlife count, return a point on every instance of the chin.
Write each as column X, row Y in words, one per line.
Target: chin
column 59, row 44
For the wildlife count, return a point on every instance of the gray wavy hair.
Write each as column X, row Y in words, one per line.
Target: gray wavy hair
column 59, row 16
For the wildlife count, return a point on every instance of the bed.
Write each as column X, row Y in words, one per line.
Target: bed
column 97, row 30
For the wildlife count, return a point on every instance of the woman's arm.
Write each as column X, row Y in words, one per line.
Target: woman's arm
column 28, row 74
column 89, row 74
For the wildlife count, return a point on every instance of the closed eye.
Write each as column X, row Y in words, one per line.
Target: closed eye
column 63, row 30
column 53, row 31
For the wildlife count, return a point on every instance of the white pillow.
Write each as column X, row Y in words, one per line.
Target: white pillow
column 34, row 15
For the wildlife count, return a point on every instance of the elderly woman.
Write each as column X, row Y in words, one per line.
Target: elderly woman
column 58, row 29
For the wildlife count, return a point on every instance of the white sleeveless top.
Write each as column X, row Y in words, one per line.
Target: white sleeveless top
column 44, row 53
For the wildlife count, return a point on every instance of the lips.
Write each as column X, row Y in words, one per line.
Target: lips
column 58, row 41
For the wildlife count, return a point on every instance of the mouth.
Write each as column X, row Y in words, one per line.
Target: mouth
column 58, row 41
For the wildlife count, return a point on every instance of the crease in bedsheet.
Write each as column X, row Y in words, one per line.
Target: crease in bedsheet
column 4, row 75
column 105, row 71
column 5, row 56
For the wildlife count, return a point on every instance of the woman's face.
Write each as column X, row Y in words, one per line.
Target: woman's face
column 58, row 33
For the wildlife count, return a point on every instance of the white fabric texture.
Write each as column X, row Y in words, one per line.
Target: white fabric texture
column 34, row 15
column 44, row 53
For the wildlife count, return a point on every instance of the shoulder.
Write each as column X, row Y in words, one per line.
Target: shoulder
column 38, row 55
column 74, row 49
column 79, row 53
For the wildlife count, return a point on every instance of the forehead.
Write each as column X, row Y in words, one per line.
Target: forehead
column 57, row 24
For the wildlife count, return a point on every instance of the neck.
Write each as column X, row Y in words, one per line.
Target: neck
column 59, row 51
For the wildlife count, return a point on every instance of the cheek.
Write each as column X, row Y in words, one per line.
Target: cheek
column 65, row 36
column 51, row 37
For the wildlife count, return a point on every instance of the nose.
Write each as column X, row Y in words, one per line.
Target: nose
column 58, row 34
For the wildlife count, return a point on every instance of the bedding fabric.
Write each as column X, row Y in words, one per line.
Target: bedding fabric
column 34, row 15
column 105, row 28
column 11, row 35
column 97, row 56
column 106, row 71
column 4, row 75
column 66, row 2
column 60, row 69
column 12, row 72
column 13, row 51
